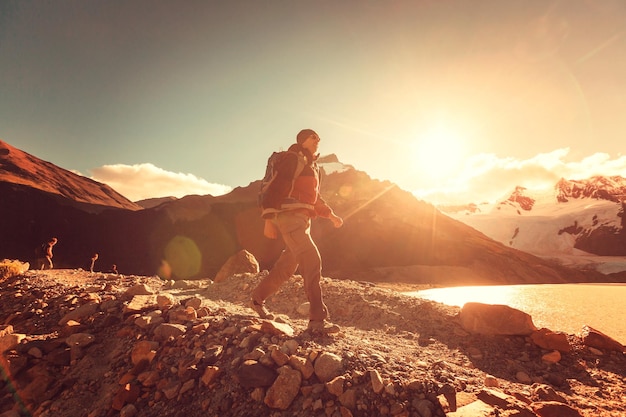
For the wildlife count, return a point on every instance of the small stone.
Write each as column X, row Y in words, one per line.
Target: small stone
column 195, row 303
column 279, row 357
column 35, row 352
column 210, row 374
column 335, row 386
column 139, row 289
column 376, row 380
column 491, row 381
column 327, row 366
column 552, row 357
column 165, row 300
column 275, row 328
column 258, row 394
column 554, row 409
column 166, row 330
column 253, row 374
column 303, row 365
column 143, row 350
column 285, row 389
column 188, row 385
column 171, row 390
column 128, row 410
column 523, row 377
column 10, row 341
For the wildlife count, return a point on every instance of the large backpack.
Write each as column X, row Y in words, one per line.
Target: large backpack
column 271, row 173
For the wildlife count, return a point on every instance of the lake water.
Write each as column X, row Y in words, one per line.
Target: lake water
column 559, row 307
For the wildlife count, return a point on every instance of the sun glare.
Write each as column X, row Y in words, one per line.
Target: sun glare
column 458, row 296
column 437, row 152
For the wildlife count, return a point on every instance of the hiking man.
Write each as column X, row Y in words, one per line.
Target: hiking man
column 288, row 207
column 44, row 259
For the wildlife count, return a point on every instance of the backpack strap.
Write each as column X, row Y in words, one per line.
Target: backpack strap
column 301, row 163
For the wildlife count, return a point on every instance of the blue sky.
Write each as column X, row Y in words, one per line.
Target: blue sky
column 453, row 100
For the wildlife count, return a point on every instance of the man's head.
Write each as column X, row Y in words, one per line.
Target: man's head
column 304, row 134
column 309, row 140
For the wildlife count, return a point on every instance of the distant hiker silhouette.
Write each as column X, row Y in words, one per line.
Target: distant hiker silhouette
column 44, row 254
column 94, row 258
column 289, row 199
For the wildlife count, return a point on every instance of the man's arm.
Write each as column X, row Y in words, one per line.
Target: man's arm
column 323, row 210
column 337, row 221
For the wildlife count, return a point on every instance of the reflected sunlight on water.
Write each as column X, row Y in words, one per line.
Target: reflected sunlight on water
column 559, row 307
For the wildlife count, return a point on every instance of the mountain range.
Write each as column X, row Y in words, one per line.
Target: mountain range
column 388, row 234
column 579, row 222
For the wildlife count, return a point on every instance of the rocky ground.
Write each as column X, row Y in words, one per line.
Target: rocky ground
column 80, row 344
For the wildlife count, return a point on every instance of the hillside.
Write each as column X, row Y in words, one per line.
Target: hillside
column 27, row 171
column 86, row 344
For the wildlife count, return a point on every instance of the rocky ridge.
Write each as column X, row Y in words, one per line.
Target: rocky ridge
column 598, row 187
column 525, row 203
column 82, row 344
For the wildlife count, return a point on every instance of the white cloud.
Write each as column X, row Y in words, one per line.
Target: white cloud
column 489, row 178
column 142, row 181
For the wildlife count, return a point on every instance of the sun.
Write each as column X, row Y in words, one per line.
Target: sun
column 437, row 152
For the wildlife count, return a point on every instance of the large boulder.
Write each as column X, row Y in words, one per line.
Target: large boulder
column 240, row 263
column 596, row 339
column 496, row 319
column 547, row 339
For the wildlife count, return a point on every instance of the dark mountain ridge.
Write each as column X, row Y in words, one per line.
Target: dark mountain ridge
column 19, row 167
column 387, row 232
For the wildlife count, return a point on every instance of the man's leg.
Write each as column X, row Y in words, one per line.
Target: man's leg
column 306, row 255
column 282, row 270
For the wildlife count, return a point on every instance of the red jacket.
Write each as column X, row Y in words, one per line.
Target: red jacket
column 302, row 192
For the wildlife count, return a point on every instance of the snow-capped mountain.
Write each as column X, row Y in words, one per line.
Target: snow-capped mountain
column 575, row 221
column 598, row 187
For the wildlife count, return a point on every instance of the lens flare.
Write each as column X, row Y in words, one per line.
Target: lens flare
column 182, row 258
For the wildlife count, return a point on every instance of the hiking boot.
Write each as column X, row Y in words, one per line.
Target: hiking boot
column 322, row 327
column 261, row 310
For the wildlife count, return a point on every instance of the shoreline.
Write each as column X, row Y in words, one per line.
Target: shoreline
column 548, row 304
